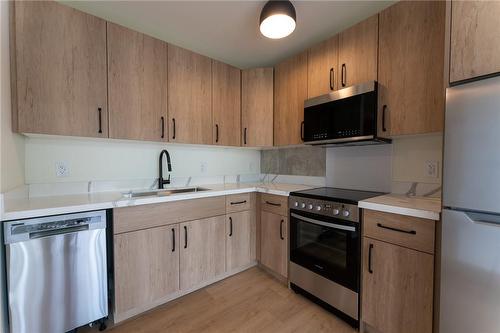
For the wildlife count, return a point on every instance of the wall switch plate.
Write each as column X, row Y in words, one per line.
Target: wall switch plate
column 62, row 169
column 203, row 167
column 432, row 169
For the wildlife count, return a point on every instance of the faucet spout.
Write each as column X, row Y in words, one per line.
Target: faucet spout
column 161, row 181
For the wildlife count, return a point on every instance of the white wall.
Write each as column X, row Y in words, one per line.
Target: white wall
column 108, row 160
column 387, row 168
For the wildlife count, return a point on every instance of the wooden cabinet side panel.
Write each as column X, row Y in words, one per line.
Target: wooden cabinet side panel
column 60, row 63
column 475, row 39
column 137, row 85
column 257, row 107
column 226, row 104
column 202, row 251
column 146, row 269
column 189, row 96
column 290, row 91
column 398, row 295
column 322, row 69
column 411, row 66
column 358, row 50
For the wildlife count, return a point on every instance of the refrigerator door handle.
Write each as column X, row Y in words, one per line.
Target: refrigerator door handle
column 483, row 218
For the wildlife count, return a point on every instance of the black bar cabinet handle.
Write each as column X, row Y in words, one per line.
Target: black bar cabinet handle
column 238, row 202
column 173, row 132
column 343, row 75
column 245, row 136
column 273, row 204
column 331, row 78
column 370, row 248
column 173, row 240
column 216, row 133
column 162, row 127
column 302, row 131
column 230, row 226
column 281, row 229
column 99, row 111
column 384, row 109
column 185, row 237
column 411, row 232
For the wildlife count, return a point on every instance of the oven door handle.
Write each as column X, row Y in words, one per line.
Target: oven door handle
column 325, row 224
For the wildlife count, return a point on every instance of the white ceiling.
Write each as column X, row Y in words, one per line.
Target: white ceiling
column 228, row 30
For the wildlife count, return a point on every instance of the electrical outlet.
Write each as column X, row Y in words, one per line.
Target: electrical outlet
column 62, row 169
column 432, row 169
column 203, row 167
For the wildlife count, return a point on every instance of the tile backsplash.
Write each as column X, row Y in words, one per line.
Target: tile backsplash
column 295, row 161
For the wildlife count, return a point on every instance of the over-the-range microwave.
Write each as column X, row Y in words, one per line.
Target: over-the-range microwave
column 344, row 117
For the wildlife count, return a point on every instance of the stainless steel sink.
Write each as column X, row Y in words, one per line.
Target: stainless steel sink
column 165, row 192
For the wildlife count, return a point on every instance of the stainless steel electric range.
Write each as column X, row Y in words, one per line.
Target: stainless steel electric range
column 325, row 248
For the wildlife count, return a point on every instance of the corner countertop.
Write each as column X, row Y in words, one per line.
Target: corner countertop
column 22, row 208
column 423, row 207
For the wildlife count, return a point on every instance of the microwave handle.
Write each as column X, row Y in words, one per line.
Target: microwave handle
column 324, row 224
column 302, row 131
column 384, row 110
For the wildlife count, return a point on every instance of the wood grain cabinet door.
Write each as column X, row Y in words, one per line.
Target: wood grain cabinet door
column 137, row 85
column 58, row 70
column 290, row 91
column 475, row 39
column 202, row 251
column 189, row 96
column 257, row 107
column 146, row 271
column 239, row 228
column 273, row 242
column 411, row 67
column 358, row 46
column 397, row 291
column 322, row 67
column 226, row 104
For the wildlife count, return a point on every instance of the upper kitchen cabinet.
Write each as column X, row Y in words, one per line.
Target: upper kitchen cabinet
column 411, row 68
column 189, row 96
column 226, row 104
column 257, row 107
column 358, row 47
column 322, row 70
column 290, row 91
column 475, row 39
column 58, row 59
column 137, row 85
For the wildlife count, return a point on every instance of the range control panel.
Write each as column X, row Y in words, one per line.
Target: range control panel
column 338, row 210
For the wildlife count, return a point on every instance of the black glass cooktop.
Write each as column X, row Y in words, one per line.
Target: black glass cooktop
column 337, row 194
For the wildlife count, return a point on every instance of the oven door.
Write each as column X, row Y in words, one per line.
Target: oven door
column 327, row 246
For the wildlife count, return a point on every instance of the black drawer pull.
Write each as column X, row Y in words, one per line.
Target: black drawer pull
column 238, row 202
column 99, row 110
column 173, row 128
column 173, row 240
column 370, row 248
column 411, row 232
column 216, row 133
column 185, row 237
column 230, row 226
column 162, row 127
column 331, row 78
column 273, row 204
column 245, row 136
column 281, row 229
column 343, row 76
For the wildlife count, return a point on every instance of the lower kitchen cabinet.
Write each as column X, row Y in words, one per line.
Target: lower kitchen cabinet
column 239, row 240
column 273, row 242
column 202, row 251
column 146, row 269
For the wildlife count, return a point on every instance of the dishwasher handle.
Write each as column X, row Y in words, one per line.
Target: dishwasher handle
column 47, row 233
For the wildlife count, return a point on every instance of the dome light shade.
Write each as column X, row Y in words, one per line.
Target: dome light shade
column 277, row 19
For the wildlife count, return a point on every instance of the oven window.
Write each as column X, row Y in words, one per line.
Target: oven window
column 331, row 250
column 322, row 244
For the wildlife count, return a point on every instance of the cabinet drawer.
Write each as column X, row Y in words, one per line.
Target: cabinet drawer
column 276, row 204
column 407, row 231
column 239, row 202
column 147, row 216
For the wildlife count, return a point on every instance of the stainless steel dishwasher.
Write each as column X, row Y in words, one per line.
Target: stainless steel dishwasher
column 56, row 272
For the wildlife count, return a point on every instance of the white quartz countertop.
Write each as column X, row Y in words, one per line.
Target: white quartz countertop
column 22, row 208
column 427, row 208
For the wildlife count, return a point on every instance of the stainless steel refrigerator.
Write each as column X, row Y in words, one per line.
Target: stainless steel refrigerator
column 470, row 259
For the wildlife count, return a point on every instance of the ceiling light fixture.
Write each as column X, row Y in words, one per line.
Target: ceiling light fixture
column 277, row 19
